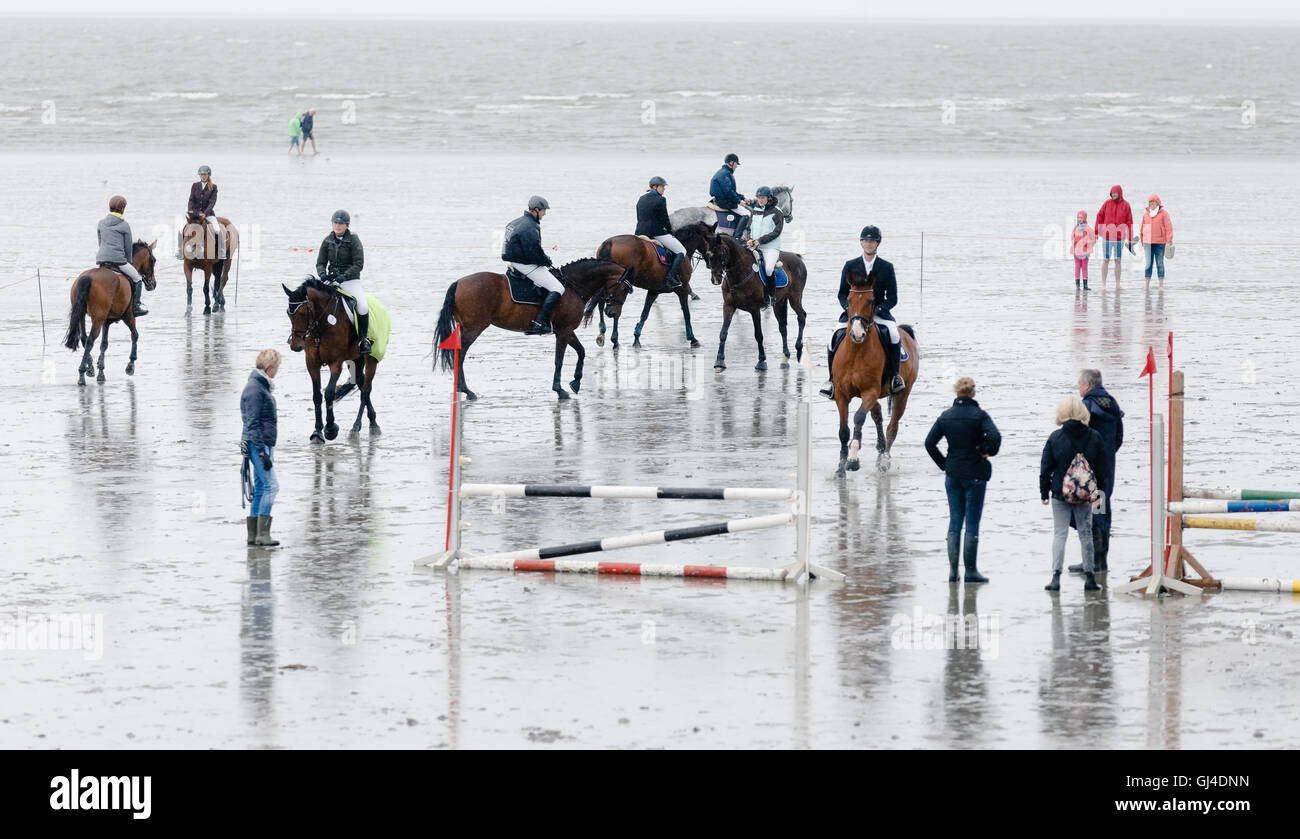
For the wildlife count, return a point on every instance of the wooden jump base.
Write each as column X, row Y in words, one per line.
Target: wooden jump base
column 548, row 558
column 1185, row 507
column 1268, row 525
column 1229, row 494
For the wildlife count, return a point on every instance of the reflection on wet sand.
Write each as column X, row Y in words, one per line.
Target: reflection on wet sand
column 1077, row 685
column 257, row 671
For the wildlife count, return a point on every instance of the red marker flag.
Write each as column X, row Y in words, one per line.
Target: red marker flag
column 1150, row 367
column 453, row 340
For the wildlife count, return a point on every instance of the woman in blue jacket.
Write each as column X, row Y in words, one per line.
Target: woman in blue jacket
column 257, row 406
column 972, row 440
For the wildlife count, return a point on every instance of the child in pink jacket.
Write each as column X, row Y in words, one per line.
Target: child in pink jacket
column 1081, row 246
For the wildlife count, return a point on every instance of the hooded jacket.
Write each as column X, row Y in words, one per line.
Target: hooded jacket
column 1158, row 230
column 1115, row 218
column 971, row 434
column 1070, row 439
column 114, row 240
column 1083, row 239
column 766, row 224
column 1105, row 417
column 257, row 407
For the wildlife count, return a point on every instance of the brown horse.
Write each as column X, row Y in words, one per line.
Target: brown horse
column 105, row 295
column 733, row 269
column 858, row 368
column 200, row 251
column 320, row 329
column 480, row 300
column 638, row 255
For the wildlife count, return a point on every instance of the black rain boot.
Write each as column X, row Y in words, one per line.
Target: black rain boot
column 1085, row 283
column 971, row 553
column 1090, row 582
column 251, row 524
column 363, row 331
column 1076, row 283
column 542, row 326
column 139, row 310
column 829, row 390
column 769, row 289
column 954, row 551
column 1100, row 548
column 672, row 281
column 1055, row 584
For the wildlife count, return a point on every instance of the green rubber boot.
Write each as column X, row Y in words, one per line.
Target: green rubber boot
column 264, row 532
column 251, row 523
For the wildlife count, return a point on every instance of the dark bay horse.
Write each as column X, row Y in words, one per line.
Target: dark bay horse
column 858, row 368
column 320, row 329
column 638, row 255
column 480, row 300
column 733, row 269
column 105, row 295
column 200, row 251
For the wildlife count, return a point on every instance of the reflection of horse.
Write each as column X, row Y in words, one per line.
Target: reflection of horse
column 200, row 251
column 321, row 329
column 686, row 216
column 480, row 300
column 858, row 368
column 639, row 256
column 733, row 269
column 105, row 295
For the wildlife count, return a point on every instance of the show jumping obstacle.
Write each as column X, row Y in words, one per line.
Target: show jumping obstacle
column 1173, row 555
column 550, row 558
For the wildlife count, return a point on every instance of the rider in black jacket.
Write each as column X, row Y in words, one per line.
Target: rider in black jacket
column 652, row 220
column 884, row 295
column 522, row 248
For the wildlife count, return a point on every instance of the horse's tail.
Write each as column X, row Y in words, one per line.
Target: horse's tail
column 77, row 319
column 446, row 322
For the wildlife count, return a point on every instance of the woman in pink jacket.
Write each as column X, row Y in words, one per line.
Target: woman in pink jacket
column 1157, row 231
column 1081, row 245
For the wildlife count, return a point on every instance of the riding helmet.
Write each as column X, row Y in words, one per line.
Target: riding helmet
column 731, row 158
column 116, row 204
column 870, row 232
column 763, row 190
column 205, row 170
column 340, row 217
column 537, row 202
column 657, row 181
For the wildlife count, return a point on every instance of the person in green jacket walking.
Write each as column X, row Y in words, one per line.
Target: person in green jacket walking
column 295, row 134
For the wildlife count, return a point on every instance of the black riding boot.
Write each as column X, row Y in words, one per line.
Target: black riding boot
column 769, row 289
column 829, row 390
column 971, row 553
column 672, row 281
column 140, row 311
column 363, row 330
column 542, row 326
column 742, row 227
column 954, row 551
column 893, row 354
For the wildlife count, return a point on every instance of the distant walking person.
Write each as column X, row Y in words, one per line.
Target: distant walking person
column 972, row 440
column 1157, row 234
column 306, row 123
column 1115, row 228
column 1075, row 465
column 257, row 406
column 1106, row 418
column 295, row 132
column 1081, row 244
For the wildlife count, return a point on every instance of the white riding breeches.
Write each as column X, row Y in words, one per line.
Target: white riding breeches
column 129, row 269
column 353, row 288
column 770, row 257
column 740, row 210
column 670, row 242
column 220, row 233
column 540, row 275
column 892, row 326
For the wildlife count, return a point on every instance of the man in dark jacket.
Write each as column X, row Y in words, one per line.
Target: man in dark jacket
column 722, row 189
column 306, row 123
column 522, row 249
column 116, row 248
column 341, row 258
column 884, row 297
column 972, row 440
column 1106, row 418
column 652, row 220
column 1073, row 438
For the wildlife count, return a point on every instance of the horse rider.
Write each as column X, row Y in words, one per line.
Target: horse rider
column 885, row 298
column 341, row 259
column 116, row 247
column 202, row 209
column 652, row 221
column 765, row 228
column 722, row 189
column 522, row 250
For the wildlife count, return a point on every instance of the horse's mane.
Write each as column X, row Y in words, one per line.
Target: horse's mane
column 299, row 294
column 135, row 249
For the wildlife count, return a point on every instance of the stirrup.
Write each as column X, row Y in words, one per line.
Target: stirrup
column 364, row 346
column 538, row 328
column 828, row 391
column 897, row 385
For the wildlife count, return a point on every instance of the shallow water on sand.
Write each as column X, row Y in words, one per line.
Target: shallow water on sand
column 123, row 497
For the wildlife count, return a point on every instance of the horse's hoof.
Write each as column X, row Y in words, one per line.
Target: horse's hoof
column 316, row 438
column 694, row 296
column 470, row 395
column 559, row 391
column 331, row 431
column 130, row 369
column 100, row 378
column 761, row 366
column 695, row 344
column 189, row 310
column 207, row 310
column 575, row 385
column 374, row 430
column 839, row 473
column 356, row 430
column 600, row 340
column 853, row 465
column 785, row 365
column 636, row 343
column 883, row 462
column 82, row 381
column 718, row 368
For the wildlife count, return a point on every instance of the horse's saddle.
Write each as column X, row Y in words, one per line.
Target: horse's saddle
column 727, row 219
column 782, row 278
column 665, row 255
column 523, row 290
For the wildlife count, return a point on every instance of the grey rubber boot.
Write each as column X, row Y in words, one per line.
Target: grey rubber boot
column 264, row 532
column 251, row 522
column 1090, row 582
column 1055, row 584
column 954, row 550
column 971, row 552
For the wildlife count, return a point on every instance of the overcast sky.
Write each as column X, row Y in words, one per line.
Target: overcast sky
column 1117, row 11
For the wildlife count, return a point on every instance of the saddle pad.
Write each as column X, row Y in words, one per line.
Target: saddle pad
column 378, row 326
column 884, row 339
column 522, row 289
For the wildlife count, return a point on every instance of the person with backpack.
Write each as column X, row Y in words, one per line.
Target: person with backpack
column 1075, row 466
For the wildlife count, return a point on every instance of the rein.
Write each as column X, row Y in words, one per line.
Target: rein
column 315, row 330
column 866, row 319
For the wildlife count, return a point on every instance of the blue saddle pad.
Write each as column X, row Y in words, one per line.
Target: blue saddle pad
column 726, row 221
column 665, row 255
column 524, row 290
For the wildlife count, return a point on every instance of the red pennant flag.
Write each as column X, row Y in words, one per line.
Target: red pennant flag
column 1171, row 345
column 1150, row 368
column 453, row 340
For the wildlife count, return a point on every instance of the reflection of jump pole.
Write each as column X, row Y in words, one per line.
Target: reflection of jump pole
column 41, row 294
column 920, row 297
column 237, row 250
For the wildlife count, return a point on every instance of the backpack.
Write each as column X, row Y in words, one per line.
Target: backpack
column 1079, row 484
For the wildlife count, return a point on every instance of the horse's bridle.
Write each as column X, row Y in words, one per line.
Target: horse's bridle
column 866, row 320
column 315, row 330
column 727, row 271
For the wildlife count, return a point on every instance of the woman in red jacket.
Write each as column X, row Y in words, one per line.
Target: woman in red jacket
column 1157, row 231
